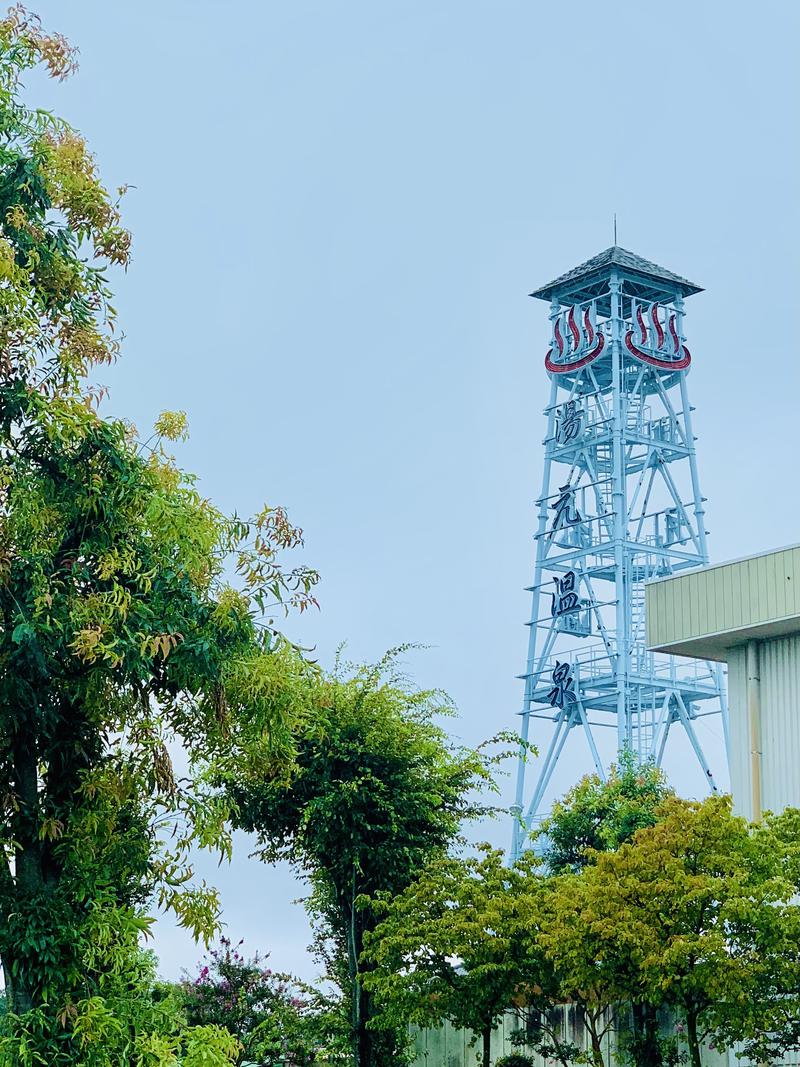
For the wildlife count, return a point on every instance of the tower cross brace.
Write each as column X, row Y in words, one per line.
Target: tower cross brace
column 620, row 504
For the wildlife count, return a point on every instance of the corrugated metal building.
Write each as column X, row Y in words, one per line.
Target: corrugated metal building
column 747, row 613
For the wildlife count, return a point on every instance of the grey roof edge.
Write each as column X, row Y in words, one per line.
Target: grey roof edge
column 616, row 256
column 723, row 563
column 716, row 643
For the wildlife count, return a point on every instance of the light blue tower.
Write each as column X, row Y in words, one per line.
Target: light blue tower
column 620, row 504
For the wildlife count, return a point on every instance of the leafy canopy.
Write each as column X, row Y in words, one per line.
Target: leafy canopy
column 698, row 912
column 598, row 816
column 376, row 790
column 134, row 615
column 449, row 947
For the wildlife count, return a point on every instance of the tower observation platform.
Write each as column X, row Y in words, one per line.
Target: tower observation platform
column 620, row 504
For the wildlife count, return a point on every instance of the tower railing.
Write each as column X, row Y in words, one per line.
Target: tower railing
column 620, row 505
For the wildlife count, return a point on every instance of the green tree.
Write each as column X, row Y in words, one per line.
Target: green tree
column 376, row 790
column 119, row 631
column 132, row 1020
column 780, row 991
column 581, row 974
column 449, row 947
column 598, row 816
column 698, row 911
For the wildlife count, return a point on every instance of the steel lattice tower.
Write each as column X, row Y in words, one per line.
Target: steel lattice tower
column 620, row 504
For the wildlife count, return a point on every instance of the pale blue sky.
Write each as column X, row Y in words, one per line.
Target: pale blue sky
column 339, row 210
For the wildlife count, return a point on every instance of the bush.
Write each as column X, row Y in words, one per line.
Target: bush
column 275, row 1017
column 515, row 1060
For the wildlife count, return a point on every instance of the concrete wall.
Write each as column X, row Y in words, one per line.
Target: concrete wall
column 449, row 1047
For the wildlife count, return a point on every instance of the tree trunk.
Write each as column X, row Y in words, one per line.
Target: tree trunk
column 487, row 1046
column 27, row 858
column 691, row 1035
column 360, row 1014
column 355, row 984
column 646, row 1044
column 597, row 1051
column 9, row 984
column 7, row 897
column 597, row 1046
column 364, row 1045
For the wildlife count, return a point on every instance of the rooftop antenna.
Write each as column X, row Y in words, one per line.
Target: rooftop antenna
column 615, row 229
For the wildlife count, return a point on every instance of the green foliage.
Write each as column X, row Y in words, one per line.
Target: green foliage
column 60, row 228
column 449, row 946
column 581, row 975
column 695, row 913
column 130, row 1022
column 543, row 1035
column 120, row 632
column 780, row 994
column 598, row 816
column 515, row 1060
column 376, row 790
column 698, row 912
column 645, row 1046
column 695, row 910
column 274, row 1016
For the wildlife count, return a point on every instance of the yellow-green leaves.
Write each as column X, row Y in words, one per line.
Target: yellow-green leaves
column 696, row 912
column 59, row 227
column 210, row 1046
column 124, row 631
column 22, row 31
column 173, row 425
column 70, row 178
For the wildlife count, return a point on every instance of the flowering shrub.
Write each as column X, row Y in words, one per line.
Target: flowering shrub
column 274, row 1016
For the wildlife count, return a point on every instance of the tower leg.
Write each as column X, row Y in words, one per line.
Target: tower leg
column 517, row 830
column 598, row 763
column 524, row 753
column 688, row 726
column 563, row 727
column 662, row 730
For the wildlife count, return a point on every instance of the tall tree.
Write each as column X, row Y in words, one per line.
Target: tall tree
column 451, row 947
column 582, row 975
column 375, row 791
column 597, row 816
column 700, row 911
column 118, row 629
column 779, row 994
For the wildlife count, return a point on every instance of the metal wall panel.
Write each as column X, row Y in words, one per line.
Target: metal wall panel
column 447, row 1047
column 779, row 668
column 726, row 597
column 779, row 671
